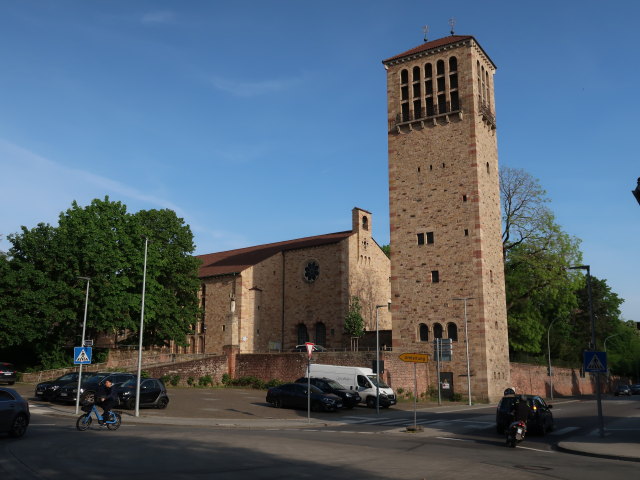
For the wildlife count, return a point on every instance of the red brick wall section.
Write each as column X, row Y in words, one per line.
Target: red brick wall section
column 533, row 379
column 215, row 366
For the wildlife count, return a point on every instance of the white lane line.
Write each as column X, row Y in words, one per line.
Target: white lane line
column 455, row 439
column 534, row 449
column 562, row 431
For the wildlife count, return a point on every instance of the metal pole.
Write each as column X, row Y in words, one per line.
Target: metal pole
column 144, row 282
column 84, row 328
column 438, row 368
column 415, row 395
column 309, row 387
column 466, row 341
column 549, row 356
column 377, row 363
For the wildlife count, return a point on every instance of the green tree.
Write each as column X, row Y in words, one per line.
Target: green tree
column 43, row 299
column 386, row 249
column 353, row 321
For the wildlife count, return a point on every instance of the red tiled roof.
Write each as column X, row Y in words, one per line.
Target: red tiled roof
column 430, row 45
column 234, row 261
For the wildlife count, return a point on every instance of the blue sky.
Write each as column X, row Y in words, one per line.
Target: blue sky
column 261, row 121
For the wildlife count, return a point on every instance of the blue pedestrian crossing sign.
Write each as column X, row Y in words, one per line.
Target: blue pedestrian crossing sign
column 595, row 362
column 81, row 355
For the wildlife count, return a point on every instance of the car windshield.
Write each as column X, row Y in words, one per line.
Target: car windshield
column 335, row 385
column 374, row 380
column 132, row 382
column 67, row 378
column 95, row 378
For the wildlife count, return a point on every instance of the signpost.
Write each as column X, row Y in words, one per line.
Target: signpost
column 414, row 358
column 309, row 346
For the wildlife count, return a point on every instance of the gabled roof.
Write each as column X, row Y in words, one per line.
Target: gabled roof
column 435, row 44
column 234, row 261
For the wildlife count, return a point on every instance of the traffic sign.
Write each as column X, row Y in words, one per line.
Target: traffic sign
column 595, row 362
column 82, row 355
column 415, row 357
column 309, row 346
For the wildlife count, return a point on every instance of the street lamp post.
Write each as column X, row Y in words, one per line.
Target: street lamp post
column 378, row 360
column 593, row 344
column 144, row 282
column 549, row 356
column 466, row 341
column 84, row 329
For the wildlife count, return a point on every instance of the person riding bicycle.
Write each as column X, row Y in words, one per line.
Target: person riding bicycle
column 107, row 398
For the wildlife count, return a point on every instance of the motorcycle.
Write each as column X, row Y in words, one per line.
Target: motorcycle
column 515, row 433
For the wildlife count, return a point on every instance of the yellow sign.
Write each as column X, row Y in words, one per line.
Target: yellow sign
column 415, row 357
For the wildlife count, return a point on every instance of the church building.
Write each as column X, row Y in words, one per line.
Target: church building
column 273, row 297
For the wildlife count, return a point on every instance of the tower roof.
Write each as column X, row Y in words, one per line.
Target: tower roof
column 435, row 45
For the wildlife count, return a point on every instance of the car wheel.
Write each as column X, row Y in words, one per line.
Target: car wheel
column 163, row 402
column 19, row 426
column 371, row 402
column 277, row 403
column 499, row 429
column 316, row 407
column 11, row 383
column 130, row 404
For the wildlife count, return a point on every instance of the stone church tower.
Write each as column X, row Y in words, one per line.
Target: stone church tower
column 444, row 206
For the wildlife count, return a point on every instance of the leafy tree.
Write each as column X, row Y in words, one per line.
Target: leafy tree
column 387, row 250
column 353, row 321
column 43, row 299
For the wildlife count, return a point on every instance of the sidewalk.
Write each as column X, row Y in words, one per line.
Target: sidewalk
column 237, row 408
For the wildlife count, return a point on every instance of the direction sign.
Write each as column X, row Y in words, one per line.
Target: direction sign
column 415, row 357
column 82, row 355
column 595, row 362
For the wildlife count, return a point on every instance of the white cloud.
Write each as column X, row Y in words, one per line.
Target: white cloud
column 160, row 17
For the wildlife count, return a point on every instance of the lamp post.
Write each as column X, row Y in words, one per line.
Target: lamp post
column 593, row 344
column 378, row 360
column 144, row 281
column 466, row 342
column 549, row 356
column 84, row 329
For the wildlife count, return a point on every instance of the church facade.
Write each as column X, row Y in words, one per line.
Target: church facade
column 273, row 297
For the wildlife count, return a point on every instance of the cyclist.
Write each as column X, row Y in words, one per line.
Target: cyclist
column 107, row 398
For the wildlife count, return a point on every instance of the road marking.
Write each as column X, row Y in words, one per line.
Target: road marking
column 534, row 449
column 456, row 439
column 562, row 431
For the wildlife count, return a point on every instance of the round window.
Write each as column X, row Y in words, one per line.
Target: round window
column 311, row 271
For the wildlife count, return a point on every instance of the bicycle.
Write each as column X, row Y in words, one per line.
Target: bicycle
column 84, row 421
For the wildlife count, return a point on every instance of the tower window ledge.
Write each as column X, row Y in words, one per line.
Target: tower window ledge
column 422, row 120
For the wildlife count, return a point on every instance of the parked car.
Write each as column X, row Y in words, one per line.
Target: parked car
column 14, row 413
column 49, row 390
column 89, row 386
column 303, row 348
column 153, row 393
column 635, row 389
column 294, row 395
column 622, row 390
column 8, row 373
column 540, row 416
column 349, row 398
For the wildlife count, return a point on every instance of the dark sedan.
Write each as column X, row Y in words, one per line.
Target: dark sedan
column 153, row 393
column 294, row 395
column 49, row 390
column 622, row 390
column 635, row 389
column 349, row 398
column 90, row 386
column 14, row 413
column 8, row 373
column 540, row 416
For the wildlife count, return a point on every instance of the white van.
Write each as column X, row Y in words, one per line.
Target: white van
column 363, row 380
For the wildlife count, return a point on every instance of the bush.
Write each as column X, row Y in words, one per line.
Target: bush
column 206, row 380
column 226, row 379
column 456, row 397
column 252, row 382
column 173, row 380
column 191, row 381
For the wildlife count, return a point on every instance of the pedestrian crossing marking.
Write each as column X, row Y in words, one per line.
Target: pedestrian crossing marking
column 82, row 358
column 595, row 364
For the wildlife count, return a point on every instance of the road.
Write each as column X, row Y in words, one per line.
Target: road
column 457, row 443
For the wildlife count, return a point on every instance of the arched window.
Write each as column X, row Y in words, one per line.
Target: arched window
column 365, row 223
column 424, row 333
column 437, row 330
column 453, row 64
column 440, row 67
column 416, row 74
column 452, row 331
column 321, row 334
column 404, row 76
column 303, row 335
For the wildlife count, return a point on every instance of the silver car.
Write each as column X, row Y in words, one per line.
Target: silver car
column 14, row 413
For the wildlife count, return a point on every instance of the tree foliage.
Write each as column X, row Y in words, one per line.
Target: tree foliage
column 353, row 321
column 42, row 304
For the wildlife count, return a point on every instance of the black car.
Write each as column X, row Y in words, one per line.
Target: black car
column 89, row 386
column 294, row 395
column 349, row 398
column 635, row 389
column 622, row 390
column 14, row 413
column 49, row 390
column 540, row 416
column 153, row 393
column 8, row 373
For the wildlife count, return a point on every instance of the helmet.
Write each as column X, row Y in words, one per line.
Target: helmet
column 509, row 391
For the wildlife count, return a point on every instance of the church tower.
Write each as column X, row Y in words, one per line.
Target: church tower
column 444, row 207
